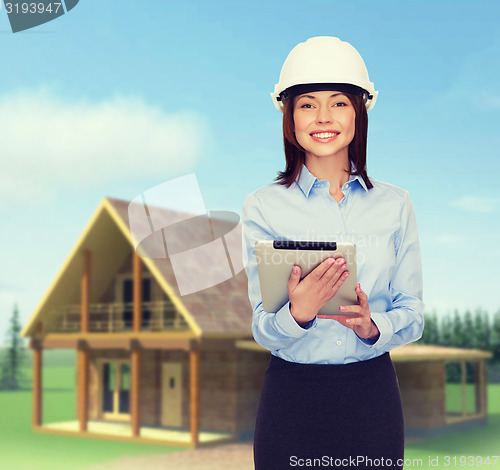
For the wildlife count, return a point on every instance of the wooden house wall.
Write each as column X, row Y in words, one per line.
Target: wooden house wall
column 230, row 383
column 251, row 370
column 218, row 388
column 109, row 294
column 423, row 389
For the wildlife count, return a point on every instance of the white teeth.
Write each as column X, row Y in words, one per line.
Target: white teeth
column 324, row 135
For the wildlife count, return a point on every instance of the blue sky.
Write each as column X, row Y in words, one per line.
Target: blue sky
column 114, row 98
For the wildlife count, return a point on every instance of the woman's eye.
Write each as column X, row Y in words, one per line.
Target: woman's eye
column 339, row 104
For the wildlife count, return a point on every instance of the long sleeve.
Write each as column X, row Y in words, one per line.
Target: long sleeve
column 381, row 222
column 272, row 330
column 404, row 323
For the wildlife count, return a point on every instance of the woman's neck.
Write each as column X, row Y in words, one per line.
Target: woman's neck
column 333, row 169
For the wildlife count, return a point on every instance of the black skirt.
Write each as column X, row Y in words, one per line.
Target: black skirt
column 329, row 416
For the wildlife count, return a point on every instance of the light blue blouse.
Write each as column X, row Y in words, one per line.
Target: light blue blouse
column 381, row 223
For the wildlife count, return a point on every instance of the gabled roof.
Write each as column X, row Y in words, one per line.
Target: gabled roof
column 221, row 310
column 430, row 352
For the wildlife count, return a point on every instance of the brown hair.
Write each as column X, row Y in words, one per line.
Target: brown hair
column 295, row 155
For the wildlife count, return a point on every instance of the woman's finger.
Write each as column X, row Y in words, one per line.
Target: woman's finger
column 322, row 268
column 340, row 318
column 355, row 321
column 294, row 279
column 335, row 270
column 352, row 309
column 362, row 296
column 338, row 277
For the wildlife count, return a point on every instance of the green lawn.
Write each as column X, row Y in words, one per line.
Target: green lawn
column 23, row 449
column 479, row 442
column 454, row 398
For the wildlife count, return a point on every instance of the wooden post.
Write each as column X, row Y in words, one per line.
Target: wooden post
column 37, row 385
column 194, row 394
column 137, row 292
column 85, row 291
column 83, row 388
column 477, row 386
column 480, row 385
column 464, row 388
column 136, row 390
column 158, row 383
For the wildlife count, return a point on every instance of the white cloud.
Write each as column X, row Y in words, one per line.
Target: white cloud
column 479, row 204
column 47, row 144
column 478, row 71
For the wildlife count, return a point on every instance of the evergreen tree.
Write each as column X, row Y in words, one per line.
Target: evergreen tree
column 481, row 330
column 469, row 333
column 435, row 337
column 431, row 329
column 458, row 330
column 13, row 357
column 423, row 339
column 446, row 331
column 495, row 337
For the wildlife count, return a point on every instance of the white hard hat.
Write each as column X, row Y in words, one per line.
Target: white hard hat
column 319, row 63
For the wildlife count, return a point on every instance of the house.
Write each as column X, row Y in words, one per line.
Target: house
column 443, row 389
column 161, row 361
column 151, row 364
column 434, row 401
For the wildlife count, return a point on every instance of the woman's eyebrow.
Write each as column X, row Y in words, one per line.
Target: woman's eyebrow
column 313, row 97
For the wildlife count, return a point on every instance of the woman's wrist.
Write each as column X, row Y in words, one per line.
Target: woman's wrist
column 374, row 333
column 301, row 323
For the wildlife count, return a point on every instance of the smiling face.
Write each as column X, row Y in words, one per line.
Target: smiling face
column 324, row 123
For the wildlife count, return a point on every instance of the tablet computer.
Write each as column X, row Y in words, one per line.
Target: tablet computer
column 275, row 261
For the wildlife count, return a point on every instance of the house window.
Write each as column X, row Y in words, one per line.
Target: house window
column 108, row 386
column 124, row 401
column 464, row 390
column 128, row 300
column 170, row 315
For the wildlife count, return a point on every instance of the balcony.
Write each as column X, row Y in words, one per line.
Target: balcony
column 117, row 317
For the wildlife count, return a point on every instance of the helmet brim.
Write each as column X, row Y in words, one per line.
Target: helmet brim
column 295, row 90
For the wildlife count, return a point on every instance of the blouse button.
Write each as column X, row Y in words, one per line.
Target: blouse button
column 339, row 232
column 339, row 342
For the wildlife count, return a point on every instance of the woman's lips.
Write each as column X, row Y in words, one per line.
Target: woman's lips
column 324, row 136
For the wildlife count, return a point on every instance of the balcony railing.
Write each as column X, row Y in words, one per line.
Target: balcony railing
column 118, row 317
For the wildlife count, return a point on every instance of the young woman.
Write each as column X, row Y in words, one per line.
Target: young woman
column 330, row 392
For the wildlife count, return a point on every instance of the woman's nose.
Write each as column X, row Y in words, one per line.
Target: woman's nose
column 324, row 115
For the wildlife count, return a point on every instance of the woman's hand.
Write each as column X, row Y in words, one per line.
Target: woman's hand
column 308, row 295
column 361, row 321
